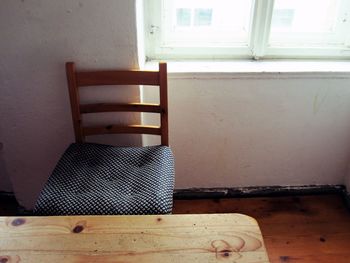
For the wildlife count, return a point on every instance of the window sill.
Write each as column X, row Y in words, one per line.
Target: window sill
column 265, row 68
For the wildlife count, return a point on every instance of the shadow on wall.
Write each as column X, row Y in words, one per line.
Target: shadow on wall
column 5, row 183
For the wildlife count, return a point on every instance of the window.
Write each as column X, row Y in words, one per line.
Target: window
column 219, row 29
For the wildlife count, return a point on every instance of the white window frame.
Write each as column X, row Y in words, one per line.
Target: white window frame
column 257, row 47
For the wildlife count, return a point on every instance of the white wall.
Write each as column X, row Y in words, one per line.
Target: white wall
column 5, row 183
column 37, row 38
column 230, row 130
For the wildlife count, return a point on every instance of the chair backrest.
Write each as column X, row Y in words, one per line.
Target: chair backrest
column 77, row 79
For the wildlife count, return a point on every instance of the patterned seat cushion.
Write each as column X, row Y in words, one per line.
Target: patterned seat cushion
column 95, row 179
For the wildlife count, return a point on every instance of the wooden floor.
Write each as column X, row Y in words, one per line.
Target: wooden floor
column 295, row 229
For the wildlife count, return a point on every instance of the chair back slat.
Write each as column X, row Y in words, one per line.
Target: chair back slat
column 116, row 107
column 78, row 79
column 122, row 77
column 114, row 129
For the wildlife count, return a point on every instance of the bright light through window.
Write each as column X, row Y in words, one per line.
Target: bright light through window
column 296, row 16
column 190, row 29
column 206, row 22
column 298, row 23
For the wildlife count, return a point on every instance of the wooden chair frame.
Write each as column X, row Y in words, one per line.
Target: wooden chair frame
column 77, row 79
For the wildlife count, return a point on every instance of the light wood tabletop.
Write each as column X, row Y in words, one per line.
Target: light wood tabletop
column 166, row 238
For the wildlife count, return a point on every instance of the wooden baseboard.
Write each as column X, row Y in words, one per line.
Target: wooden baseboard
column 4, row 194
column 10, row 199
column 346, row 197
column 238, row 192
column 259, row 191
column 7, row 196
column 262, row 191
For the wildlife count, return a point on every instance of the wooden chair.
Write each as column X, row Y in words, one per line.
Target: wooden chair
column 95, row 78
column 93, row 179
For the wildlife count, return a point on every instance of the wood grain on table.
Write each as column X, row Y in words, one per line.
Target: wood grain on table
column 166, row 238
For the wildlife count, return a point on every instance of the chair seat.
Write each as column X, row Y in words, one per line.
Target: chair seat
column 96, row 179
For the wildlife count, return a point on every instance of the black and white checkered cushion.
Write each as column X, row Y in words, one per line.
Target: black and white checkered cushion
column 96, row 179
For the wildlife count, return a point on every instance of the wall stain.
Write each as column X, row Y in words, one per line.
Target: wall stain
column 319, row 100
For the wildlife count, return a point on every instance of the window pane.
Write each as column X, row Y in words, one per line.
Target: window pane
column 304, row 15
column 183, row 17
column 282, row 18
column 202, row 17
column 308, row 23
column 206, row 22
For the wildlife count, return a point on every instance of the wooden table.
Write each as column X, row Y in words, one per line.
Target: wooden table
column 167, row 238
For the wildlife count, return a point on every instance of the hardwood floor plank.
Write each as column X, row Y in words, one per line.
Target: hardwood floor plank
column 295, row 229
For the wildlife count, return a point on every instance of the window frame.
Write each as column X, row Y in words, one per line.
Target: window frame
column 257, row 46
